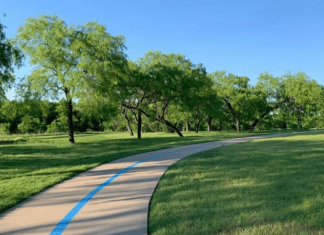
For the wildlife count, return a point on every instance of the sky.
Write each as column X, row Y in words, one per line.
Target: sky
column 244, row 37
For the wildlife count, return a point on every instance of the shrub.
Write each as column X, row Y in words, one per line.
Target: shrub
column 29, row 124
column 58, row 125
column 5, row 128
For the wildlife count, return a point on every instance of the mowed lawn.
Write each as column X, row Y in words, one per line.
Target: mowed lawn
column 32, row 163
column 269, row 186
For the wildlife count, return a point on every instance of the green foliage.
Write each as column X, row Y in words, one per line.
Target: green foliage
column 29, row 124
column 236, row 94
column 5, row 128
column 173, row 80
column 306, row 95
column 58, row 125
column 93, row 111
column 84, row 63
column 302, row 89
column 71, row 60
column 54, row 114
column 10, row 56
column 12, row 112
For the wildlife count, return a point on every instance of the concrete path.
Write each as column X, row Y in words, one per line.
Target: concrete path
column 110, row 199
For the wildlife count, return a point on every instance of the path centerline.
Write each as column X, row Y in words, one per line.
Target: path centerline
column 61, row 226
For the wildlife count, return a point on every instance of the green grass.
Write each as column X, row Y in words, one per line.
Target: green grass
column 32, row 163
column 270, row 186
column 7, row 139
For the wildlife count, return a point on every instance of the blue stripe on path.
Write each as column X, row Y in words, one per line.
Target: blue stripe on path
column 61, row 226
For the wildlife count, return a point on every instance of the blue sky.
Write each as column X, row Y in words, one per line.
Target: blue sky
column 242, row 37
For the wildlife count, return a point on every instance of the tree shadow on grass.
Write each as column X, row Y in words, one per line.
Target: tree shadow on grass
column 32, row 159
column 57, row 161
column 273, row 187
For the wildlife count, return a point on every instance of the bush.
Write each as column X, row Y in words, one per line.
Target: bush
column 58, row 125
column 293, row 126
column 5, row 128
column 53, row 127
column 29, row 124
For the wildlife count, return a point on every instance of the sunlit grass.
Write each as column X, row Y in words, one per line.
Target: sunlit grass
column 273, row 186
column 31, row 163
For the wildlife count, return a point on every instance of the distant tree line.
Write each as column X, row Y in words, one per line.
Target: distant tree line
column 99, row 89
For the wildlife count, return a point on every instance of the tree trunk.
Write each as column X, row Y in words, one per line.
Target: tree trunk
column 257, row 120
column 197, row 126
column 171, row 127
column 129, row 128
column 254, row 124
column 234, row 115
column 220, row 127
column 187, row 125
column 238, row 126
column 209, row 120
column 300, row 125
column 70, row 121
column 139, row 125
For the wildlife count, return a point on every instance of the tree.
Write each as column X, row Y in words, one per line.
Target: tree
column 223, row 119
column 304, row 92
column 70, row 60
column 134, row 90
column 235, row 92
column 203, row 104
column 123, row 111
column 10, row 56
column 178, row 115
column 172, row 79
column 267, row 96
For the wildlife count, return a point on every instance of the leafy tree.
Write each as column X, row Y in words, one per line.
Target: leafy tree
column 267, row 96
column 318, row 114
column 134, row 91
column 304, row 92
column 223, row 118
column 177, row 115
column 124, row 112
column 70, row 60
column 235, row 93
column 172, row 79
column 10, row 56
column 204, row 103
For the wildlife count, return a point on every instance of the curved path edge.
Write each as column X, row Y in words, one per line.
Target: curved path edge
column 112, row 198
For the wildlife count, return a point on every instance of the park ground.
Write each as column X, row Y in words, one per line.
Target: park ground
column 269, row 186
column 32, row 163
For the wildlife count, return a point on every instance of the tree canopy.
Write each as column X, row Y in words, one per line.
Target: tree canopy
column 10, row 56
column 98, row 88
column 72, row 61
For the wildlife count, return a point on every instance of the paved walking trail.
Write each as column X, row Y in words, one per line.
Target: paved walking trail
column 110, row 199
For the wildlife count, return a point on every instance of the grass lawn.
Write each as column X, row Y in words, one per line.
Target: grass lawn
column 270, row 186
column 31, row 163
